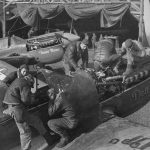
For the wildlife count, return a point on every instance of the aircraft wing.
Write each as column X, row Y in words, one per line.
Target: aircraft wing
column 114, row 134
column 5, row 69
column 17, row 61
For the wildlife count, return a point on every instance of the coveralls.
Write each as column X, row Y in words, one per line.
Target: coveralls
column 17, row 97
column 72, row 55
column 66, row 115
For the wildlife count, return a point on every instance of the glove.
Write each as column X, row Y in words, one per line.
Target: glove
column 7, row 112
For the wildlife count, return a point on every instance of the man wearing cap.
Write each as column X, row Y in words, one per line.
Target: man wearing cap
column 74, row 52
column 21, row 72
column 18, row 97
column 62, row 110
column 134, row 53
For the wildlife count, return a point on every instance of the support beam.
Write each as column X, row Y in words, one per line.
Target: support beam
column 141, row 23
column 4, row 20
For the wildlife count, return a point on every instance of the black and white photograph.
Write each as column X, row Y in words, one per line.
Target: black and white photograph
column 74, row 74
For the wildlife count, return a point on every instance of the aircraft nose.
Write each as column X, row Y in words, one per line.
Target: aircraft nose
column 71, row 37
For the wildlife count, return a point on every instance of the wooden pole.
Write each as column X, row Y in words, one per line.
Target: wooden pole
column 141, row 23
column 4, row 20
column 71, row 26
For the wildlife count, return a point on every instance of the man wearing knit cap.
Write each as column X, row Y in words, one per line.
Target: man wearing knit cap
column 21, row 72
column 134, row 53
column 74, row 52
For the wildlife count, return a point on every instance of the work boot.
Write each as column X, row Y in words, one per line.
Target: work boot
column 129, row 70
column 63, row 142
column 51, row 139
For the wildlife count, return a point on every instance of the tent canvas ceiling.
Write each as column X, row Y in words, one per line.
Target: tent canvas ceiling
column 108, row 15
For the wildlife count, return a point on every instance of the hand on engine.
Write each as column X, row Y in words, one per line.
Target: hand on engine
column 116, row 70
column 124, row 78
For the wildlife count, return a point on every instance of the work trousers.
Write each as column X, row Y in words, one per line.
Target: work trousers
column 61, row 126
column 23, row 122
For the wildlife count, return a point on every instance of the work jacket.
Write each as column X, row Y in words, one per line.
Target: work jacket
column 19, row 92
column 63, row 107
column 74, row 53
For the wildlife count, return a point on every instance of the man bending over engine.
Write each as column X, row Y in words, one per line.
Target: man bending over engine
column 74, row 52
column 135, row 55
column 64, row 113
column 105, row 55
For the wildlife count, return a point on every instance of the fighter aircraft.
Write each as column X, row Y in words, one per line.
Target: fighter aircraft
column 44, row 49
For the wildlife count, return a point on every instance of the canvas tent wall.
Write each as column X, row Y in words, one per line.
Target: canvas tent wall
column 86, row 16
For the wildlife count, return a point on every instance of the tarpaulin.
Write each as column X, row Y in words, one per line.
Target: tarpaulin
column 146, row 20
column 108, row 15
column 112, row 15
column 31, row 13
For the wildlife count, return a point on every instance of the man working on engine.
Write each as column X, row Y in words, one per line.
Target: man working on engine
column 76, row 104
column 64, row 114
column 74, row 52
column 137, row 56
column 105, row 55
column 18, row 97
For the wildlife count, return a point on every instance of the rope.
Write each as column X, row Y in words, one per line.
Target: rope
column 13, row 25
column 20, row 28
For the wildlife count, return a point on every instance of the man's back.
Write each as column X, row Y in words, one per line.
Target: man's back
column 104, row 50
column 18, row 92
column 72, row 52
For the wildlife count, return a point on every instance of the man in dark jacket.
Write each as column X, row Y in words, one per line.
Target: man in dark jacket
column 74, row 52
column 21, row 72
column 64, row 113
column 17, row 97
